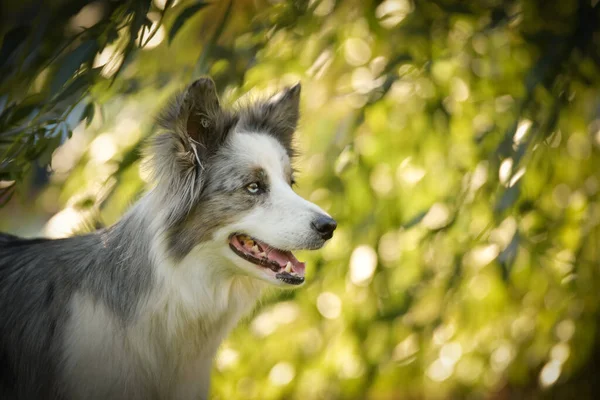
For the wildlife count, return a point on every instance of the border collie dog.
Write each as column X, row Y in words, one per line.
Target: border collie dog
column 138, row 310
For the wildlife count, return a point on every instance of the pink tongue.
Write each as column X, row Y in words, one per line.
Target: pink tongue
column 282, row 258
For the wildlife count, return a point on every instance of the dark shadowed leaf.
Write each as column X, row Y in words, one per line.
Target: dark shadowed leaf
column 77, row 86
column 24, row 112
column 508, row 198
column 6, row 194
column 51, row 143
column 201, row 67
column 71, row 63
column 507, row 257
column 415, row 220
column 183, row 17
column 11, row 41
column 3, row 102
column 139, row 21
column 88, row 113
column 65, row 133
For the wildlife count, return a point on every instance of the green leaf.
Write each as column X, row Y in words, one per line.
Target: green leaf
column 24, row 112
column 139, row 10
column 65, row 133
column 3, row 102
column 345, row 160
column 415, row 220
column 71, row 63
column 507, row 257
column 6, row 194
column 77, row 86
column 12, row 40
column 88, row 113
column 201, row 67
column 183, row 17
column 509, row 197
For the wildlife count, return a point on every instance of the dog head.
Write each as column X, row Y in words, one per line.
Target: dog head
column 226, row 182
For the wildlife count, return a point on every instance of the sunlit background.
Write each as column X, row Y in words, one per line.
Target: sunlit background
column 457, row 143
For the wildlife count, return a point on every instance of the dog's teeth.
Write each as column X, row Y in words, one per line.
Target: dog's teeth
column 288, row 267
column 262, row 255
column 255, row 249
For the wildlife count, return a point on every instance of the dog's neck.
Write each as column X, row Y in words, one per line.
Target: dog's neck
column 203, row 287
column 197, row 300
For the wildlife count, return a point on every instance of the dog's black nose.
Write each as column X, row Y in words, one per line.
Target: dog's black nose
column 324, row 226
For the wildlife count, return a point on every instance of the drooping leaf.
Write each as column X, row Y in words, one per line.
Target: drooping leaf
column 71, row 63
column 186, row 14
column 201, row 67
column 507, row 257
column 508, row 198
column 12, row 40
column 24, row 112
column 6, row 194
column 77, row 86
column 3, row 102
column 88, row 113
column 65, row 133
column 139, row 21
column 415, row 220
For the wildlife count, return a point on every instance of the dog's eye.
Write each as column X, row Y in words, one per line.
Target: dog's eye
column 253, row 188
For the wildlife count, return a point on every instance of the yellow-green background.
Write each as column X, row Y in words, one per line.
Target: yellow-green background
column 458, row 146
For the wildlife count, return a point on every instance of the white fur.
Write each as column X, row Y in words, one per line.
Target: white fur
column 167, row 351
column 173, row 340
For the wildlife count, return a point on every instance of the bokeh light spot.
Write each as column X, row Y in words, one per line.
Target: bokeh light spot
column 226, row 358
column 406, row 348
column 391, row 12
column 329, row 305
column 64, row 223
column 439, row 372
column 501, row 357
column 482, row 255
column 565, row 330
column 550, row 373
column 437, row 217
column 522, row 130
column 560, row 352
column 505, row 170
column 282, row 374
column 357, row 51
column 103, row 148
column 363, row 262
column 450, row 353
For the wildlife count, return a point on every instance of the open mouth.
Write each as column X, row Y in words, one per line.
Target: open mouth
column 283, row 263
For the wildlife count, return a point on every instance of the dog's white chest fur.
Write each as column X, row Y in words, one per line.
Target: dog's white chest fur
column 167, row 351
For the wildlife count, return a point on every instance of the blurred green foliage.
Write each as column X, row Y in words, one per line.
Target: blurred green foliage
column 456, row 142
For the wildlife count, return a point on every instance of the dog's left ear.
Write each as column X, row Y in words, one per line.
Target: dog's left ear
column 194, row 127
column 282, row 112
column 201, row 111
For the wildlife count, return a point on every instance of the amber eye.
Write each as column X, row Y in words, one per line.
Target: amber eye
column 253, row 188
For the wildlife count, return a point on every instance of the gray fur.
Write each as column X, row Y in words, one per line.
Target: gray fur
column 277, row 116
column 38, row 277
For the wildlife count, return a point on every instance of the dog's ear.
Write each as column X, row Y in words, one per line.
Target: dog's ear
column 194, row 127
column 195, row 123
column 200, row 110
column 282, row 112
